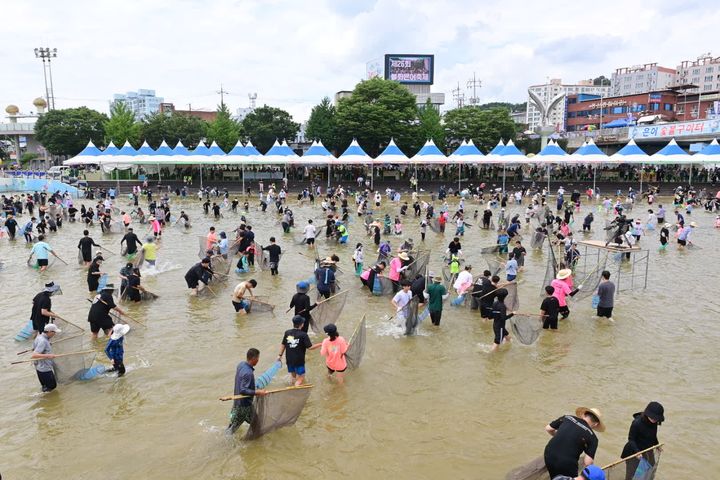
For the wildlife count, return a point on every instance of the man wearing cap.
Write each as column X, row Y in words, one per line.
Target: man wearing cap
column 42, row 307
column 115, row 350
column 99, row 314
column 241, row 305
column 571, row 436
column 301, row 302
column 296, row 342
column 131, row 242
column 245, row 385
column 200, row 272
column 325, row 277
column 436, row 293
column 642, row 435
column 42, row 352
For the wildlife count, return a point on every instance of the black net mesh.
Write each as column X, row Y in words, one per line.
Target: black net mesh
column 70, row 367
column 588, row 272
column 414, row 314
column 633, row 468
column 356, row 350
column 537, row 240
column 492, row 258
column 328, row 312
column 418, row 266
column 279, row 409
column 526, row 328
column 258, row 306
column 550, row 269
column 434, row 225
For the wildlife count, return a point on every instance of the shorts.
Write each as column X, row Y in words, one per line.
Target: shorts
column 104, row 324
column 564, row 311
column 331, row 371
column 310, row 241
column 241, row 305
column 296, row 369
column 510, row 278
column 192, row 283
column 550, row 323
column 604, row 312
column 39, row 325
column 150, row 262
column 680, row 242
column 43, row 262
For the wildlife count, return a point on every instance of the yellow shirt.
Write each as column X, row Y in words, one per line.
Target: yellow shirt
column 150, row 250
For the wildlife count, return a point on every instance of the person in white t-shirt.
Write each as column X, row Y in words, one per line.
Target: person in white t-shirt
column 309, row 233
column 400, row 301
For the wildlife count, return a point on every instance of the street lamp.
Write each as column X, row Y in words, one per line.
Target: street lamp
column 47, row 54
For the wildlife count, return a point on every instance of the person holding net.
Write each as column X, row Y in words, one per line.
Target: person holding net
column 572, row 435
column 242, row 410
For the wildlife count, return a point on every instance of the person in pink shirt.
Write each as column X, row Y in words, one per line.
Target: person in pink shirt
column 563, row 287
column 126, row 219
column 333, row 349
column 155, row 226
column 396, row 266
column 210, row 239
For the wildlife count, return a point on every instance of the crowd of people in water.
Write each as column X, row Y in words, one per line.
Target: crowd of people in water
column 402, row 274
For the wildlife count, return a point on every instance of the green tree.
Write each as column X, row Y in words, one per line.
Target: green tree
column 431, row 124
column 121, row 126
column 224, row 129
column 266, row 124
column 484, row 127
column 377, row 111
column 172, row 128
column 513, row 107
column 67, row 131
column 601, row 81
column 322, row 124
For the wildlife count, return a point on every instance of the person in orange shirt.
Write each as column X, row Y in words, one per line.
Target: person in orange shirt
column 333, row 348
column 126, row 219
column 211, row 239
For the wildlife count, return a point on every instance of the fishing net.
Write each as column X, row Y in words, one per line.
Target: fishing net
column 276, row 410
column 259, row 259
column 117, row 227
column 139, row 258
column 418, row 266
column 490, row 255
column 257, row 306
column 588, row 272
column 550, row 270
column 533, row 470
column 70, row 367
column 526, row 328
column 327, row 312
column 263, row 380
column 512, row 301
column 434, row 225
column 628, row 206
column 383, row 286
column 634, row 468
column 537, row 240
column 356, row 350
column 202, row 243
column 414, row 315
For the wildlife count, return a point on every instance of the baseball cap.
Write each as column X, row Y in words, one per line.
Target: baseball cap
column 51, row 327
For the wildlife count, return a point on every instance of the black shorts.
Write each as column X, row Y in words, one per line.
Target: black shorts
column 43, row 262
column 192, row 283
column 680, row 242
column 310, row 241
column 103, row 323
column 331, row 371
column 604, row 312
column 39, row 325
column 551, row 323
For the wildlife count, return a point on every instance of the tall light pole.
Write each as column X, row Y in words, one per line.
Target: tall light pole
column 47, row 54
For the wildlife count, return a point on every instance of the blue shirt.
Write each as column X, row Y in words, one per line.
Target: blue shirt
column 685, row 234
column 511, row 267
column 115, row 350
column 244, row 384
column 325, row 277
column 41, row 250
column 223, row 244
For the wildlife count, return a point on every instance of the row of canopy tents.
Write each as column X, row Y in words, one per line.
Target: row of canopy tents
column 467, row 153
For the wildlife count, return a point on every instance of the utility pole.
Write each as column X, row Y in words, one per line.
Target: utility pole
column 222, row 96
column 459, row 97
column 253, row 98
column 189, row 107
column 474, row 84
column 47, row 54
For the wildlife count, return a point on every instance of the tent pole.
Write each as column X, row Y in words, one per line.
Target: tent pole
column 594, row 178
column 372, row 179
column 416, row 179
column 548, row 178
column 159, row 177
column 201, row 185
column 243, row 179
column 691, row 174
column 459, row 174
column 642, row 168
column 328, row 175
column 503, row 189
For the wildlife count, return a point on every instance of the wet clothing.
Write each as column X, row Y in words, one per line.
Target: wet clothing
column 325, row 281
column 551, row 307
column 302, row 305
column 131, row 241
column 296, row 343
column 242, row 410
column 573, row 437
column 499, row 316
column 197, row 274
column 133, row 292
column 93, row 280
column 642, row 435
column 606, row 292
column 40, row 301
column 99, row 315
column 85, row 245
column 436, row 292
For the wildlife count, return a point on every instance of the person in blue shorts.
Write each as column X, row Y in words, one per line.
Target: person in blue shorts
column 295, row 343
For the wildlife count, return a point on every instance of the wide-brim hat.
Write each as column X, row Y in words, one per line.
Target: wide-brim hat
column 404, row 256
column 563, row 274
column 437, row 279
column 108, row 286
column 119, row 331
column 580, row 411
column 51, row 287
column 693, row 224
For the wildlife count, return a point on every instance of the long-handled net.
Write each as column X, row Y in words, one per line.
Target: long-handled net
column 551, row 269
column 202, row 246
column 588, row 272
column 418, row 266
column 490, row 255
column 264, row 379
column 356, row 350
column 257, row 306
column 327, row 312
column 278, row 409
column 526, row 328
column 537, row 240
column 414, row 315
column 71, row 367
column 382, row 286
column 512, row 301
column 222, row 265
column 632, row 467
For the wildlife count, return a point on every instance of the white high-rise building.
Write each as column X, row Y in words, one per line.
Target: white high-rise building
column 641, row 79
column 142, row 103
column 703, row 72
column 548, row 91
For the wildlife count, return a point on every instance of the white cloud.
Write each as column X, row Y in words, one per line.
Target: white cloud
column 293, row 53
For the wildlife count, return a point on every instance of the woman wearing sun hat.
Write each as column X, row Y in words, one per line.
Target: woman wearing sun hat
column 572, row 435
column 115, row 349
column 643, row 435
column 563, row 287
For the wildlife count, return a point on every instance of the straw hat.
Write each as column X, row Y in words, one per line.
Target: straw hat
column 403, row 256
column 693, row 224
column 563, row 274
column 579, row 412
column 437, row 279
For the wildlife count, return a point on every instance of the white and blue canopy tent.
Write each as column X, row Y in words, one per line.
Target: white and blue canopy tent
column 198, row 156
column 279, row 154
column 467, row 153
column 710, row 154
column 163, row 157
column 672, row 154
column 496, row 149
column 216, row 154
column 589, row 153
column 552, row 154
column 429, row 154
column 508, row 155
column 317, row 154
column 631, row 154
column 391, row 155
column 241, row 155
column 355, row 155
column 88, row 156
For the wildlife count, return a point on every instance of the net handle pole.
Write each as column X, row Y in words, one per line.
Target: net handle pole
column 618, row 462
column 68, row 321
column 502, row 285
column 56, row 356
column 53, row 343
column 239, row 397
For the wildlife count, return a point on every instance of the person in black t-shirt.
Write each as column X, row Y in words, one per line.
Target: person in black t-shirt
column 500, row 316
column 296, row 342
column 200, row 272
column 42, row 307
column 481, row 285
column 549, row 309
column 85, row 246
column 301, row 302
column 99, row 314
column 134, row 289
column 454, row 247
column 274, row 252
column 94, row 274
column 487, row 297
column 642, row 435
column 572, row 435
column 131, row 241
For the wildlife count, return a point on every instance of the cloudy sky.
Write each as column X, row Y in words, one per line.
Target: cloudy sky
column 294, row 52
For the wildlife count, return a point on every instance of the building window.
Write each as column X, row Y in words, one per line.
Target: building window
column 696, row 71
column 655, row 106
column 709, row 69
column 668, row 107
column 708, row 78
